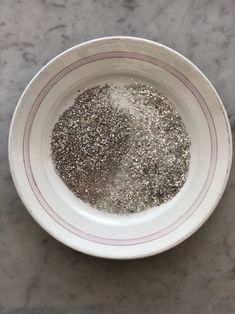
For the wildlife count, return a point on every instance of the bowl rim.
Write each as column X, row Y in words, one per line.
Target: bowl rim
column 102, row 39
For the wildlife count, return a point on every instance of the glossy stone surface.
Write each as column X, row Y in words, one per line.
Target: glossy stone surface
column 40, row 275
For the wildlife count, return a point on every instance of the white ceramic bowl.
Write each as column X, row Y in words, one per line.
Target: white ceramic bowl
column 70, row 220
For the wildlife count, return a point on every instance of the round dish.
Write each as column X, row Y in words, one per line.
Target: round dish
column 76, row 224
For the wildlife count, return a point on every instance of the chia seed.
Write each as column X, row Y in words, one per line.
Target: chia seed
column 121, row 149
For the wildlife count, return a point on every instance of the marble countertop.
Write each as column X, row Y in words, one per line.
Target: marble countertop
column 40, row 275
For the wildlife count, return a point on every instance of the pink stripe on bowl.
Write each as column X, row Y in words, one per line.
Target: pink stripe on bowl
column 156, row 62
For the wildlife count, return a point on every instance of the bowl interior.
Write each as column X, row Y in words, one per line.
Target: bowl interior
column 118, row 71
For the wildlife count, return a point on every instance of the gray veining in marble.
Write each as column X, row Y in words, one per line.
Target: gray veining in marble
column 38, row 275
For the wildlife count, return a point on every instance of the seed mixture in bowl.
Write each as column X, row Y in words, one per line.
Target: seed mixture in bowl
column 121, row 149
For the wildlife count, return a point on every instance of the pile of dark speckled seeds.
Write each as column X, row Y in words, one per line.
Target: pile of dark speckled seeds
column 121, row 149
